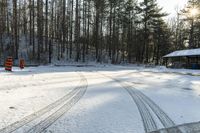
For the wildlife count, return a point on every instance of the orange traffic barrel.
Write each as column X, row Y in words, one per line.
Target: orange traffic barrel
column 21, row 63
column 9, row 64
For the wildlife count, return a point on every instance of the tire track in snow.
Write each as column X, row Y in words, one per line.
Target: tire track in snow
column 147, row 119
column 193, row 127
column 142, row 100
column 163, row 117
column 18, row 124
column 43, row 125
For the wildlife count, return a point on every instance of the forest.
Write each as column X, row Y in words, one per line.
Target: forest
column 105, row 31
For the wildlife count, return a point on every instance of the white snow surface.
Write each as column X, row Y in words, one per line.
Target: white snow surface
column 190, row 52
column 106, row 107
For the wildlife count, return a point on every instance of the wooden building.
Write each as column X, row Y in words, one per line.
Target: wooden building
column 189, row 59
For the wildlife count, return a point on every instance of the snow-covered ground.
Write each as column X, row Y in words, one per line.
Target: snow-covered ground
column 97, row 99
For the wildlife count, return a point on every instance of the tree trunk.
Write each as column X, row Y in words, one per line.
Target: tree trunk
column 77, row 32
column 46, row 26
column 15, row 30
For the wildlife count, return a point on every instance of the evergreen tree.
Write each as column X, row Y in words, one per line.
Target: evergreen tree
column 101, row 30
column 149, row 11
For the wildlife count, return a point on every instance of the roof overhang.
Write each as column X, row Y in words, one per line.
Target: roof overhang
column 184, row 53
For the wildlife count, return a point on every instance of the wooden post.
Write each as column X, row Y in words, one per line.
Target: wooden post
column 166, row 62
column 188, row 62
column 197, row 59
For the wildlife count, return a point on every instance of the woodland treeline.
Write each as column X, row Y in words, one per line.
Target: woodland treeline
column 95, row 30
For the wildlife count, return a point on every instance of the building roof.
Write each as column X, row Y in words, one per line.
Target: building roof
column 184, row 53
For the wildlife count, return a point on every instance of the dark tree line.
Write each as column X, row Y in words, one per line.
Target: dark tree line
column 92, row 30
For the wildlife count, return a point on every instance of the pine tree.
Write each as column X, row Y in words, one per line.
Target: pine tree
column 106, row 30
column 149, row 11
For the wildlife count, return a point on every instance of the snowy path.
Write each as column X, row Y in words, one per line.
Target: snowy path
column 106, row 108
column 177, row 94
column 71, row 101
column 36, row 91
column 144, row 105
column 117, row 100
column 58, row 108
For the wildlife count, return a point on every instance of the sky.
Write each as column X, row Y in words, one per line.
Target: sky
column 170, row 6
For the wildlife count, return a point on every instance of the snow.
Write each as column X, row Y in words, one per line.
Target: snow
column 29, row 90
column 106, row 105
column 103, row 109
column 190, row 52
